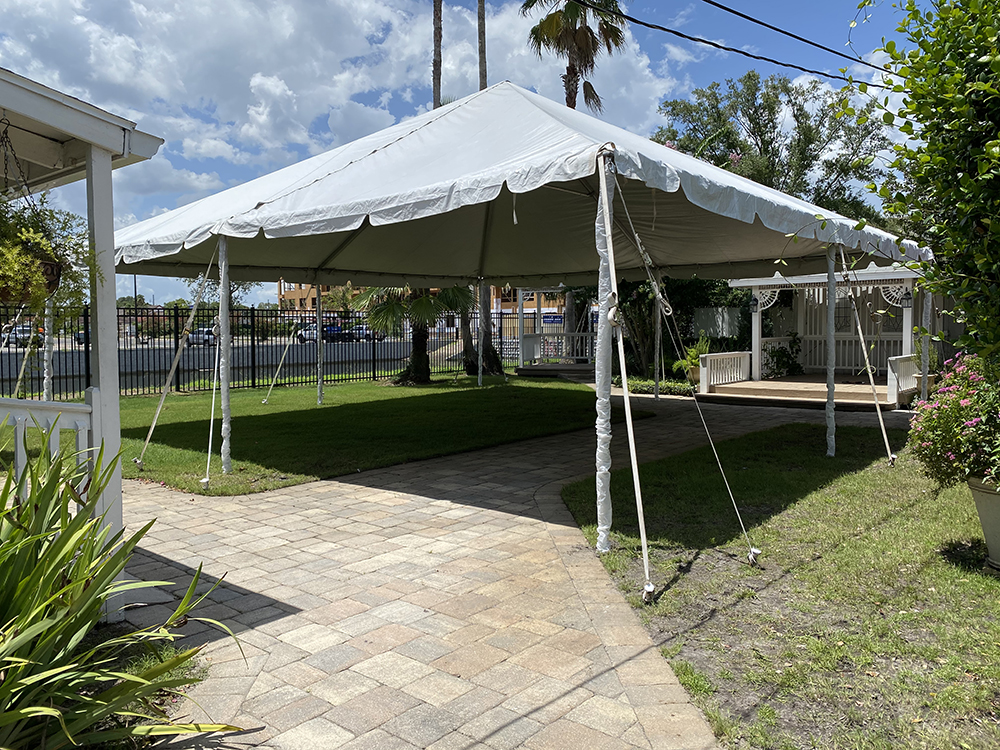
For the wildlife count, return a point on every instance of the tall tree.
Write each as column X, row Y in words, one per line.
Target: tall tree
column 436, row 62
column 481, row 22
column 785, row 135
column 566, row 31
column 387, row 308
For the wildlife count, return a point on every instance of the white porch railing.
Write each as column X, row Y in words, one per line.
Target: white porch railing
column 79, row 418
column 542, row 347
column 721, row 368
column 902, row 377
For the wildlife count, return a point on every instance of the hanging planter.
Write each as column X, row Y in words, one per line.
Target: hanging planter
column 29, row 271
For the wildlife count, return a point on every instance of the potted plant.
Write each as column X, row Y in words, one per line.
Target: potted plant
column 955, row 434
column 691, row 364
column 29, row 266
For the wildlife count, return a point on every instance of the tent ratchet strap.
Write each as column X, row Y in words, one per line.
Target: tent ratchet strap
column 211, row 420
column 278, row 371
column 177, row 358
column 666, row 310
column 864, row 351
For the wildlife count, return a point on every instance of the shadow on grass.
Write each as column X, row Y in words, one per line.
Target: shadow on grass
column 237, row 608
column 967, row 554
column 685, row 501
column 347, row 438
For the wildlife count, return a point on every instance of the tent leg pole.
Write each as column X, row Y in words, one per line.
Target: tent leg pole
column 483, row 319
column 602, row 370
column 319, row 346
column 831, row 353
column 225, row 353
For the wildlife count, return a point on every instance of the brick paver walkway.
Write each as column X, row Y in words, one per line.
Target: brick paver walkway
column 448, row 603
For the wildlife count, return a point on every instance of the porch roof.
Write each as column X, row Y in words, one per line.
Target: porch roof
column 51, row 131
column 895, row 275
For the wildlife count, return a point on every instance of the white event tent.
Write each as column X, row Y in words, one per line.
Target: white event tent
column 503, row 185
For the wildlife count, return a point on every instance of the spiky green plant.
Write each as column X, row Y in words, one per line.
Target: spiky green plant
column 60, row 571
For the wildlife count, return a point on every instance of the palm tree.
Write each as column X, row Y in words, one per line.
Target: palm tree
column 566, row 31
column 436, row 62
column 387, row 308
column 481, row 18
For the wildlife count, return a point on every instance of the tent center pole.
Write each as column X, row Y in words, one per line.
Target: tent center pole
column 225, row 352
column 602, row 369
column 319, row 345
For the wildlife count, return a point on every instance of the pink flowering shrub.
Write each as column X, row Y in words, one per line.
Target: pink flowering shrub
column 955, row 434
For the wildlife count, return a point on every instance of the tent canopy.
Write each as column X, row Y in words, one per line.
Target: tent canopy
column 500, row 185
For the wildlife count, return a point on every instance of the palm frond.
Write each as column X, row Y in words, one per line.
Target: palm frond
column 590, row 97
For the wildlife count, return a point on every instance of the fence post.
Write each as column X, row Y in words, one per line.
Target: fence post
column 177, row 342
column 500, row 338
column 86, row 347
column 253, row 347
column 374, row 354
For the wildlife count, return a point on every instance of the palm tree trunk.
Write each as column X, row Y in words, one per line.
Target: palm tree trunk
column 482, row 45
column 491, row 360
column 419, row 370
column 436, row 66
column 470, row 358
column 571, row 82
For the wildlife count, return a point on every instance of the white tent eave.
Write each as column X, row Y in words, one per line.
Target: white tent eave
column 499, row 185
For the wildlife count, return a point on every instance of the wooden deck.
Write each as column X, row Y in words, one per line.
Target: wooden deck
column 804, row 391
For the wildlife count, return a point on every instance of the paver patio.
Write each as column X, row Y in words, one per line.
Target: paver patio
column 447, row 603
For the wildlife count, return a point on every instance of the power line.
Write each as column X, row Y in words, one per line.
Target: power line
column 796, row 37
column 716, row 45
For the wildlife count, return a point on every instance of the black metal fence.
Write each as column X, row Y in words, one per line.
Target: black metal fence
column 148, row 339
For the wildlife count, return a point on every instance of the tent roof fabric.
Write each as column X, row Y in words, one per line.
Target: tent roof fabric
column 499, row 185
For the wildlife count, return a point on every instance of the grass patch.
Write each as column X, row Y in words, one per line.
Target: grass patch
column 360, row 426
column 870, row 624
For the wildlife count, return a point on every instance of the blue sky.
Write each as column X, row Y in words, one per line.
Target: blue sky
column 239, row 88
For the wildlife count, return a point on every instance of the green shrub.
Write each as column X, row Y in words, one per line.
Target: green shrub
column 667, row 387
column 59, row 571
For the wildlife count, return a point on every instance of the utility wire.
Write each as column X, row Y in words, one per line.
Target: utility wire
column 796, row 37
column 724, row 48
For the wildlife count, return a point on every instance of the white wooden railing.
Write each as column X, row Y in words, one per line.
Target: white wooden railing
column 902, row 377
column 548, row 346
column 55, row 417
column 721, row 368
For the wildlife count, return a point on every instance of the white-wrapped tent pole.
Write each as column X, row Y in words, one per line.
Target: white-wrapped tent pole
column 319, row 346
column 225, row 352
column 831, row 353
column 606, row 198
column 602, row 369
column 925, row 343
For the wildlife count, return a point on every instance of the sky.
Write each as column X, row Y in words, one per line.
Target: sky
column 240, row 88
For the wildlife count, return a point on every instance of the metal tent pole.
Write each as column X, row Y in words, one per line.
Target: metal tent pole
column 602, row 371
column 319, row 346
column 225, row 353
column 831, row 353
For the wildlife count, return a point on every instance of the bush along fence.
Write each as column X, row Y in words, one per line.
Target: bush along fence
column 149, row 337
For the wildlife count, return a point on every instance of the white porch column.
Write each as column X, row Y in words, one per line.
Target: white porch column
column 755, row 335
column 225, row 353
column 925, row 343
column 908, row 322
column 520, row 327
column 831, row 353
column 104, row 329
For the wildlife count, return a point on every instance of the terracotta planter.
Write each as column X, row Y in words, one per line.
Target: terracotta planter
column 694, row 374
column 987, row 497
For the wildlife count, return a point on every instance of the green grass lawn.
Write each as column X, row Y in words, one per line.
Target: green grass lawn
column 870, row 623
column 360, row 426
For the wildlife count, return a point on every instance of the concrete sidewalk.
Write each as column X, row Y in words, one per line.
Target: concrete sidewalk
column 447, row 603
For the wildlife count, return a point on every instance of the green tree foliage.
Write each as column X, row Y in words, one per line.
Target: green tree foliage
column 566, row 30
column 949, row 191
column 132, row 302
column 388, row 308
column 784, row 135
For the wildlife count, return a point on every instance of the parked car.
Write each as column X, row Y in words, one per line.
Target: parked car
column 364, row 333
column 332, row 332
column 24, row 334
column 81, row 337
column 202, row 337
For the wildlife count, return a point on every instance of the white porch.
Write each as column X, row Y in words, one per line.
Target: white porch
column 59, row 139
column 887, row 300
